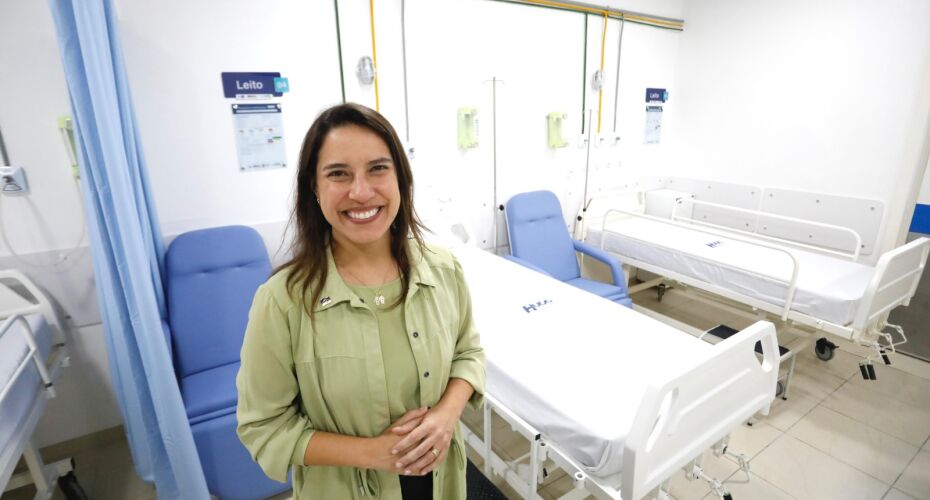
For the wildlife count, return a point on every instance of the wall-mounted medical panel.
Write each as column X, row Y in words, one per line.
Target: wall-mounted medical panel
column 741, row 196
column 864, row 216
column 554, row 124
column 467, row 128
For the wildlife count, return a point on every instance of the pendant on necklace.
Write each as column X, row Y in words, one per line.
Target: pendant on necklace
column 379, row 300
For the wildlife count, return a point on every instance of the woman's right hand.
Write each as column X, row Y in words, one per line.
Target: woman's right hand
column 381, row 457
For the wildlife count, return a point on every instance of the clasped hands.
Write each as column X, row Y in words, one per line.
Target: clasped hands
column 416, row 443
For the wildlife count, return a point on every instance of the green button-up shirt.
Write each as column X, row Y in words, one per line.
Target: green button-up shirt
column 296, row 378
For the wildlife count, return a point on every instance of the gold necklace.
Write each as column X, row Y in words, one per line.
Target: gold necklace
column 379, row 296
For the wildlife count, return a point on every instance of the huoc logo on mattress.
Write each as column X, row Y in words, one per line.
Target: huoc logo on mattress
column 534, row 307
column 713, row 244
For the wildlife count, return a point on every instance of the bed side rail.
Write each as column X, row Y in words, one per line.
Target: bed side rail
column 893, row 284
column 681, row 418
column 32, row 356
column 791, row 283
column 767, row 216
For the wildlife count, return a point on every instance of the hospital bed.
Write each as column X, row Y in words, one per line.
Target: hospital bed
column 619, row 400
column 826, row 289
column 32, row 355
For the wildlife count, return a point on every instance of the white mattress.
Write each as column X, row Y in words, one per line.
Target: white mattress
column 566, row 367
column 828, row 288
column 18, row 403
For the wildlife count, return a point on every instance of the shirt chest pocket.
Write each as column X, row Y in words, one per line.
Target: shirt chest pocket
column 342, row 343
column 340, row 363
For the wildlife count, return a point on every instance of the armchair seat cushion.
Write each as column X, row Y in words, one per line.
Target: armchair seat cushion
column 210, row 393
column 230, row 472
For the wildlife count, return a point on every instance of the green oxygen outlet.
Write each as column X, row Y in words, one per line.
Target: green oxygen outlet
column 66, row 128
column 555, row 121
column 468, row 128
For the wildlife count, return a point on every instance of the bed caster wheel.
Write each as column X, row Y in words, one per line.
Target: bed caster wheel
column 70, row 487
column 825, row 349
column 660, row 291
column 779, row 389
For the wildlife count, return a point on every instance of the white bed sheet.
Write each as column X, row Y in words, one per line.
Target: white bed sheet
column 18, row 404
column 828, row 288
column 567, row 366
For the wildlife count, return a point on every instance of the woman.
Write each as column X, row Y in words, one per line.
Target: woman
column 360, row 353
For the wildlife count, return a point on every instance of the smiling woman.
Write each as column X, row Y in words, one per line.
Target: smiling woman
column 361, row 352
column 357, row 188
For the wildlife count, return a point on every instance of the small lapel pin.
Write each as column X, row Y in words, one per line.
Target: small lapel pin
column 325, row 301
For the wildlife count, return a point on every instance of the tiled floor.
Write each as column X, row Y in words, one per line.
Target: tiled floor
column 837, row 437
column 103, row 467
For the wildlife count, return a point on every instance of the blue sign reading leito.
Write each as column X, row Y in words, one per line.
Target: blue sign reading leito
column 250, row 85
column 656, row 95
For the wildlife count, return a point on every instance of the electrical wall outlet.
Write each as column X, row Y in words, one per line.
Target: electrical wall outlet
column 13, row 180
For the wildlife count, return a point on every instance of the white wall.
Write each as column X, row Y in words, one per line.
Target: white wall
column 923, row 196
column 175, row 52
column 813, row 95
column 33, row 94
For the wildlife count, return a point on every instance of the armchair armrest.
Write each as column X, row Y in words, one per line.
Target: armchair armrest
column 526, row 264
column 615, row 270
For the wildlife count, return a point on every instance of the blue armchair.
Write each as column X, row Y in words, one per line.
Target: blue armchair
column 538, row 237
column 211, row 277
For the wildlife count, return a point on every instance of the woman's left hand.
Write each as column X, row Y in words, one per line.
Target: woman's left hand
column 426, row 446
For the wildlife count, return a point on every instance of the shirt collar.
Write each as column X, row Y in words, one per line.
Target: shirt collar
column 335, row 291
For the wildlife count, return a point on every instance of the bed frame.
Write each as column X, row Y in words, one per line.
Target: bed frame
column 678, row 420
column 16, row 306
column 894, row 281
column 681, row 411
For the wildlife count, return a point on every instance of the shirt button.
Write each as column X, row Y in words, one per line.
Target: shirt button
column 416, row 334
column 426, row 375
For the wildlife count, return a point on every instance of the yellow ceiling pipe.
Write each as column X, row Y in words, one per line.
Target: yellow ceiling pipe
column 663, row 23
column 600, row 90
column 374, row 53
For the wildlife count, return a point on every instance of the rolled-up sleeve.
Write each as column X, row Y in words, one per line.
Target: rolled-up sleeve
column 270, row 424
column 468, row 360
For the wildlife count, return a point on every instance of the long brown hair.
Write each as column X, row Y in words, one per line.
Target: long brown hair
column 312, row 232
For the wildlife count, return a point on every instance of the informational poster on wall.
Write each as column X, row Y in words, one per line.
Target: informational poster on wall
column 653, row 125
column 259, row 132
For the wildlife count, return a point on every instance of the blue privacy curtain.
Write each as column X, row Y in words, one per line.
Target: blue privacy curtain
column 127, row 249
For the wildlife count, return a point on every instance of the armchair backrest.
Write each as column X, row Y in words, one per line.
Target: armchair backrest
column 211, row 278
column 538, row 234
